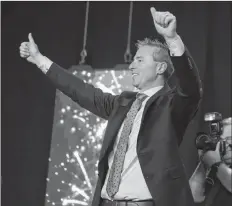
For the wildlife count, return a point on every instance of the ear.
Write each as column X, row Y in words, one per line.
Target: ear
column 161, row 67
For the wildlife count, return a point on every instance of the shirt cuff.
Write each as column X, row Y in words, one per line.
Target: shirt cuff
column 45, row 64
column 176, row 46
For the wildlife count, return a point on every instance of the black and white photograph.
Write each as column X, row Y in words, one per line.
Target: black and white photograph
column 116, row 103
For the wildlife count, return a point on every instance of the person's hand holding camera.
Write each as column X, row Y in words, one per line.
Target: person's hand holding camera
column 216, row 163
column 210, row 157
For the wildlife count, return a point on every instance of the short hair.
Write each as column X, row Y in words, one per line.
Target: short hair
column 161, row 54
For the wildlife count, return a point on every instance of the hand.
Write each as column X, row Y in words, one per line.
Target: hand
column 211, row 157
column 30, row 51
column 165, row 23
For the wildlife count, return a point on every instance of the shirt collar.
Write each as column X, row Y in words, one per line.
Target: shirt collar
column 150, row 92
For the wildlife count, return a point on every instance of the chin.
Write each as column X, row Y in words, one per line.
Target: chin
column 135, row 85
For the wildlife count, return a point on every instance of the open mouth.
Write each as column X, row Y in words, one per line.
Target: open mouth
column 134, row 74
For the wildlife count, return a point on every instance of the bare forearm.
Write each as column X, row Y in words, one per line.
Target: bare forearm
column 224, row 175
column 197, row 182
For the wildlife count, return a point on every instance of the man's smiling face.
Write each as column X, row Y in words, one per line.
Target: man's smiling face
column 144, row 68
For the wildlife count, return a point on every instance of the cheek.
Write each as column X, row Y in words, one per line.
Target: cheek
column 150, row 74
column 147, row 73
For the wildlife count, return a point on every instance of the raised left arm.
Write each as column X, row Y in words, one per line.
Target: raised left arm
column 188, row 81
column 187, row 76
column 186, row 99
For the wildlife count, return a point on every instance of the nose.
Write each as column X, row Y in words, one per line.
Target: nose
column 131, row 66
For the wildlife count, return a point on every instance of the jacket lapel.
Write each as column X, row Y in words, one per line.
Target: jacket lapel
column 125, row 102
column 166, row 89
column 115, row 123
column 161, row 92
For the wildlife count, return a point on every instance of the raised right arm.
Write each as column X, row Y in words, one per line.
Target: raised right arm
column 86, row 95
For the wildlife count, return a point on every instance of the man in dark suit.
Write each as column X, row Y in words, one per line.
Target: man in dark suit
column 139, row 162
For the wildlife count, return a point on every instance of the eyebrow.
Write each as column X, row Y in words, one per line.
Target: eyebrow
column 138, row 57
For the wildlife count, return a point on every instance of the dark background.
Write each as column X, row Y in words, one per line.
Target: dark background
column 57, row 27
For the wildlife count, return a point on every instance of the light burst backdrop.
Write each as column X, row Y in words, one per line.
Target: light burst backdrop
column 77, row 140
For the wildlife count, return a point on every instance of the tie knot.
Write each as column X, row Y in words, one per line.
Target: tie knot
column 141, row 96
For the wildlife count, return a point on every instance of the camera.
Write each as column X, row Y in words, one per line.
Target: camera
column 209, row 141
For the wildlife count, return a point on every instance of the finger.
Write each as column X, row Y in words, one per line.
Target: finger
column 162, row 19
column 155, row 15
column 162, row 16
column 24, row 44
column 153, row 12
column 168, row 19
column 31, row 40
column 24, row 53
column 22, row 48
column 23, row 56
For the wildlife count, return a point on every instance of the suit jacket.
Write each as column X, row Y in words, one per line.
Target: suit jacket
column 165, row 118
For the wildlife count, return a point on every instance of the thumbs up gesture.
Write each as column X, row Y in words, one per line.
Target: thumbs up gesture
column 165, row 23
column 29, row 50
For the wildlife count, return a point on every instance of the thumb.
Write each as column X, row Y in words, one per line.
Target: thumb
column 153, row 11
column 31, row 40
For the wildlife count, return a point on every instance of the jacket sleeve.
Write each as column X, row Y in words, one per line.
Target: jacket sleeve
column 186, row 99
column 188, row 80
column 86, row 95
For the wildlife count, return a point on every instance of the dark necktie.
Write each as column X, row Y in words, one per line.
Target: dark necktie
column 117, row 166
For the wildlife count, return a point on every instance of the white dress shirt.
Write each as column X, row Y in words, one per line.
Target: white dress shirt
column 133, row 185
